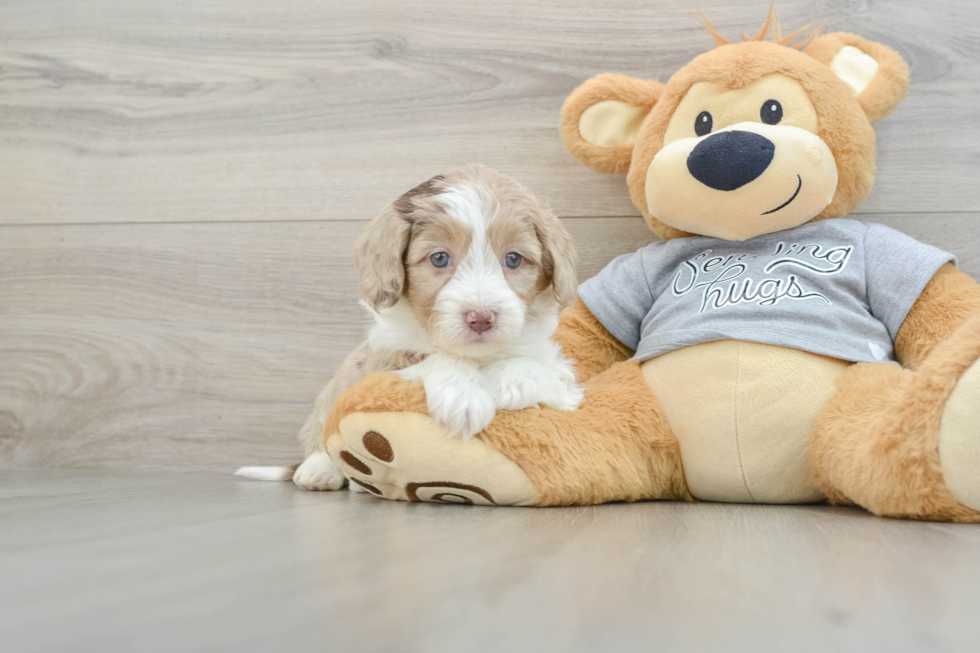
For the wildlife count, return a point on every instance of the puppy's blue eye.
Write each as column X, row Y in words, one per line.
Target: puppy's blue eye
column 513, row 260
column 440, row 259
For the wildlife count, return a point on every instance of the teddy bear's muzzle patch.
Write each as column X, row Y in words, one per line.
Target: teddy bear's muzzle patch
column 742, row 181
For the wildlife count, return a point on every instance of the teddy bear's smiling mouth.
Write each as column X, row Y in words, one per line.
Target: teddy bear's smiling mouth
column 799, row 185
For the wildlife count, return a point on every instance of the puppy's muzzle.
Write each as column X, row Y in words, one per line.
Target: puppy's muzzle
column 480, row 321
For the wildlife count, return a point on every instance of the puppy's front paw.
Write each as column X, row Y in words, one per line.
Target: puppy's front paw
column 318, row 473
column 515, row 384
column 460, row 403
column 567, row 396
column 526, row 383
column 516, row 393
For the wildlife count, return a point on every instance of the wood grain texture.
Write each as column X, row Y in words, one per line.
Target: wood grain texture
column 187, row 562
column 233, row 110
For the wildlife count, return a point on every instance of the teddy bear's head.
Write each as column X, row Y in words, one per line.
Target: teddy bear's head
column 749, row 138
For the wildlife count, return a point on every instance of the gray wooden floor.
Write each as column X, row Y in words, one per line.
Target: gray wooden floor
column 125, row 561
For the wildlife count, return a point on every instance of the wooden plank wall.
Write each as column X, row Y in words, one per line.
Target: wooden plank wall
column 180, row 185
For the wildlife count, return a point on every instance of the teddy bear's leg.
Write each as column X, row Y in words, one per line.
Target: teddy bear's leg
column 615, row 447
column 906, row 443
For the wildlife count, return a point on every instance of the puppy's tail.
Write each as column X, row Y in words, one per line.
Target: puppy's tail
column 268, row 473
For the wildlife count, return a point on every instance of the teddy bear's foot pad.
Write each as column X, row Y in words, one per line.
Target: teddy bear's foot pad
column 410, row 457
column 959, row 439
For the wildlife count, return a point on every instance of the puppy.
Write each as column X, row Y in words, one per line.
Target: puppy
column 463, row 276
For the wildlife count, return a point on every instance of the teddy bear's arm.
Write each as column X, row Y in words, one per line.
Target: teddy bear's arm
column 948, row 301
column 587, row 342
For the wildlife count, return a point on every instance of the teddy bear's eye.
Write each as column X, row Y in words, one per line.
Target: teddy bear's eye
column 771, row 112
column 703, row 123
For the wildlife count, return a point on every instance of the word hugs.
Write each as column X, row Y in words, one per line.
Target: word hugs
column 764, row 280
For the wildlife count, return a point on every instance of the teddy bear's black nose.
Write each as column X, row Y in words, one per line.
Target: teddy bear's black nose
column 729, row 160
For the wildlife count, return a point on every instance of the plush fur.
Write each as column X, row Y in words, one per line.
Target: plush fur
column 635, row 92
column 891, row 81
column 844, row 120
column 947, row 303
column 585, row 340
column 841, row 124
column 874, row 443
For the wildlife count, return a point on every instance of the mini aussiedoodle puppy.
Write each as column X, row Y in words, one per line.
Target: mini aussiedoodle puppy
column 464, row 276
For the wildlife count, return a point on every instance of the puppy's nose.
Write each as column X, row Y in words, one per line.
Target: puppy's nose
column 729, row 160
column 479, row 321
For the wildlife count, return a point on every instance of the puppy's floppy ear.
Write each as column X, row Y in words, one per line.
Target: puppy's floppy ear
column 875, row 73
column 379, row 253
column 601, row 118
column 558, row 256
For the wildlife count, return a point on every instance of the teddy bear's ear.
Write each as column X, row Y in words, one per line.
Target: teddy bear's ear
column 601, row 118
column 876, row 73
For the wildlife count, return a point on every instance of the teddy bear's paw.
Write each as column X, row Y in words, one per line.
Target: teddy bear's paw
column 409, row 457
column 318, row 473
column 565, row 397
column 959, row 439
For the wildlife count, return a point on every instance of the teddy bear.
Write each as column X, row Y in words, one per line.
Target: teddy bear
column 767, row 350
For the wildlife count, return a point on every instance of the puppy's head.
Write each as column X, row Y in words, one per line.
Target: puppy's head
column 475, row 256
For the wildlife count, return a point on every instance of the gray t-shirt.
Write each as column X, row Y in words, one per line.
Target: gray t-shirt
column 840, row 288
